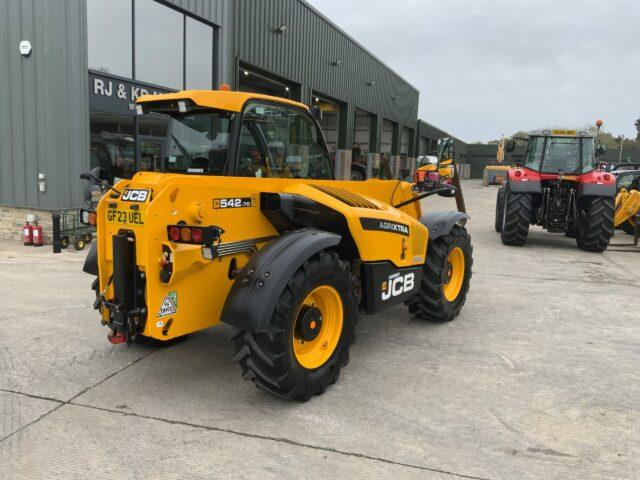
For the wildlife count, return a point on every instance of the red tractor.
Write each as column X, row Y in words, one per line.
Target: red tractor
column 558, row 187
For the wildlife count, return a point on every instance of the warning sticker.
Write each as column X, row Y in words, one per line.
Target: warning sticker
column 169, row 305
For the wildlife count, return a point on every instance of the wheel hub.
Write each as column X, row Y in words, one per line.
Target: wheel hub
column 448, row 270
column 309, row 323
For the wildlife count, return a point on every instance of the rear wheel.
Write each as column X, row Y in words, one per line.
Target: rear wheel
column 445, row 277
column 311, row 331
column 64, row 241
column 518, row 209
column 499, row 209
column 595, row 223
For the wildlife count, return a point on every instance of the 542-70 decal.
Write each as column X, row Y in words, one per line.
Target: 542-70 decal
column 234, row 202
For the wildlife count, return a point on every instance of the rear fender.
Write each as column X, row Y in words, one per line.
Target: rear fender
column 91, row 261
column 523, row 180
column 256, row 290
column 597, row 184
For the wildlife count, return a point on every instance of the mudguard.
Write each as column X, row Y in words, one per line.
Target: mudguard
column 253, row 297
column 441, row 223
column 91, row 261
column 524, row 180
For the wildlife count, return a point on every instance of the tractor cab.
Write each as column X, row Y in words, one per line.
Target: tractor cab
column 560, row 153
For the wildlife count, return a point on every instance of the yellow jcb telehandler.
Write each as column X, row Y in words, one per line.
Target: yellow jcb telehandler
column 247, row 226
column 627, row 201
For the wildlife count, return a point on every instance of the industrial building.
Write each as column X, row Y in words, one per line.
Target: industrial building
column 72, row 71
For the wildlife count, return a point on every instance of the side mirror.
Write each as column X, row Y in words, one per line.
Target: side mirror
column 510, row 145
column 601, row 149
column 316, row 111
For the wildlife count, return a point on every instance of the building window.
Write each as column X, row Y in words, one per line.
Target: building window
column 159, row 44
column 112, row 146
column 110, row 36
column 252, row 82
column 198, row 55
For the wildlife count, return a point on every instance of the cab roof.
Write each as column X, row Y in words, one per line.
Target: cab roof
column 218, row 99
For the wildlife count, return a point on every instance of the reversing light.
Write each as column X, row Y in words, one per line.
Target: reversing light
column 174, row 234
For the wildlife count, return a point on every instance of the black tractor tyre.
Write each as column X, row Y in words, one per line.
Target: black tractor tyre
column 499, row 209
column 595, row 223
column 431, row 303
column 518, row 209
column 628, row 227
column 268, row 359
column 571, row 230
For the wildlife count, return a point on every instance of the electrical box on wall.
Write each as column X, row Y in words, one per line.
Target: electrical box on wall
column 25, row 48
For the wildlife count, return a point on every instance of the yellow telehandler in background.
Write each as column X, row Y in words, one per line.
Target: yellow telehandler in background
column 628, row 202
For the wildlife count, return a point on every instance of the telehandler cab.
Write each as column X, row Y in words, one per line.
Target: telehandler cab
column 247, row 226
column 559, row 188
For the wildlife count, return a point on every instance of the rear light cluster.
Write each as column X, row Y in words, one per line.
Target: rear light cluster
column 193, row 235
column 185, row 235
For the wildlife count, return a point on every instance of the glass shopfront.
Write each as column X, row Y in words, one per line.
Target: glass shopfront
column 139, row 47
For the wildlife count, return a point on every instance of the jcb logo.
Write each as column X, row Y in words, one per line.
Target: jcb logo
column 397, row 285
column 131, row 195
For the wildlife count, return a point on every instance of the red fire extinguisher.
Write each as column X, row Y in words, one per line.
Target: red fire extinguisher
column 27, row 234
column 37, row 235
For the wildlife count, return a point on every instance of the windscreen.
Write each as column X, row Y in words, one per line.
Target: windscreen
column 198, row 142
column 569, row 155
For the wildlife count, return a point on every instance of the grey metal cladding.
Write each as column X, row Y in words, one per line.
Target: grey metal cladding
column 44, row 102
column 305, row 52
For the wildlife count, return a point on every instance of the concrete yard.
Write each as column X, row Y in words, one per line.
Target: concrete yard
column 539, row 377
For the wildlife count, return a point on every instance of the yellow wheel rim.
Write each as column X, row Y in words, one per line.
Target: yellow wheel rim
column 313, row 353
column 454, row 274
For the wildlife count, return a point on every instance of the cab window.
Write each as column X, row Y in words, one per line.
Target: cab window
column 278, row 141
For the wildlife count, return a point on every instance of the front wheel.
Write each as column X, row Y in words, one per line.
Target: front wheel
column 445, row 277
column 311, row 331
column 595, row 223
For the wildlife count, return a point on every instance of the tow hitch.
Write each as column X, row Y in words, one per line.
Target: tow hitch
column 127, row 310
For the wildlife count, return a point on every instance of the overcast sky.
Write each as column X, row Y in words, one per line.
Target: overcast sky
column 488, row 67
